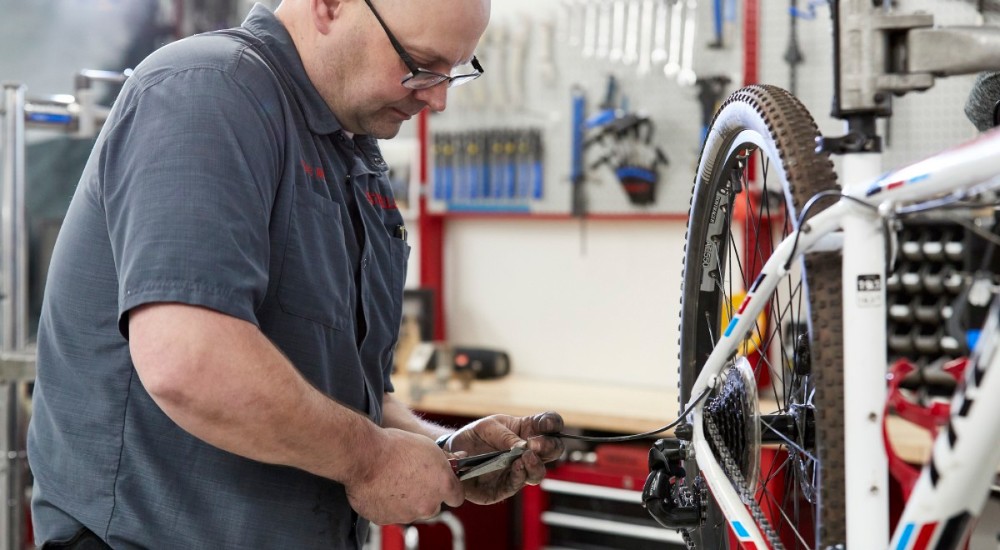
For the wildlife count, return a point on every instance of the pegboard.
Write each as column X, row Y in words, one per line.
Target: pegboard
column 922, row 123
column 530, row 30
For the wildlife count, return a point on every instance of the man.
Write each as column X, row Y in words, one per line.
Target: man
column 223, row 299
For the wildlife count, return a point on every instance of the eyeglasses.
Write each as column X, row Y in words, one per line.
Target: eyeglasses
column 421, row 79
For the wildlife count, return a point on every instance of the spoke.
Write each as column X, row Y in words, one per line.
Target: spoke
column 708, row 323
column 794, row 527
column 774, row 472
column 759, row 254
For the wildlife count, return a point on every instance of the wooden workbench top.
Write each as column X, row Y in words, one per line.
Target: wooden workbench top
column 587, row 405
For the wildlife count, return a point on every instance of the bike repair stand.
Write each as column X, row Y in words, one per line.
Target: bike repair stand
column 879, row 54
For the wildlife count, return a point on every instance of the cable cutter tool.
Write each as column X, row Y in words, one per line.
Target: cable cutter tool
column 475, row 466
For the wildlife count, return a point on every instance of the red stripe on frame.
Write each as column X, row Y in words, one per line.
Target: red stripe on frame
column 926, row 532
column 748, row 545
column 744, row 304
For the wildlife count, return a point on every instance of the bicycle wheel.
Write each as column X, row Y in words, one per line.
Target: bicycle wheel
column 758, row 169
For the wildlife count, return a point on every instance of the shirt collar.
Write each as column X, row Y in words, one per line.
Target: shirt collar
column 278, row 44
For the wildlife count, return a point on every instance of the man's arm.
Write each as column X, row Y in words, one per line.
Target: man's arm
column 223, row 381
column 397, row 415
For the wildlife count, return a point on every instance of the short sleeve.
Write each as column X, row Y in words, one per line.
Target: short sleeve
column 189, row 173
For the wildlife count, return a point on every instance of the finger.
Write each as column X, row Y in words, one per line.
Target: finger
column 518, row 475
column 534, row 468
column 548, row 448
column 549, row 422
column 455, row 495
column 500, row 436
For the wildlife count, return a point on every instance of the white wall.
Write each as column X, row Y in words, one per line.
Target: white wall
column 606, row 314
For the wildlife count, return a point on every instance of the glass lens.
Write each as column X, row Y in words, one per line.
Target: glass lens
column 422, row 80
column 464, row 79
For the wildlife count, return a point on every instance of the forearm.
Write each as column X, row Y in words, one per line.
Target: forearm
column 239, row 393
column 397, row 415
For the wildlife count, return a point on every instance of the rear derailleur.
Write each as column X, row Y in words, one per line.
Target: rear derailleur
column 672, row 502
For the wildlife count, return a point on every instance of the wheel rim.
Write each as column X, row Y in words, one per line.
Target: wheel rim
column 757, row 136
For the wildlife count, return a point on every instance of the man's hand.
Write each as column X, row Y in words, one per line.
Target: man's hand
column 409, row 478
column 501, row 432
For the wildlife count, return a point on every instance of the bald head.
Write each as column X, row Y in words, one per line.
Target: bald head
column 352, row 63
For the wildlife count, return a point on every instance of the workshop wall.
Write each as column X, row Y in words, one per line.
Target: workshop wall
column 533, row 55
column 595, row 300
column 601, row 303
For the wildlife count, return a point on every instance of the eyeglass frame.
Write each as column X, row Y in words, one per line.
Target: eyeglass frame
column 417, row 70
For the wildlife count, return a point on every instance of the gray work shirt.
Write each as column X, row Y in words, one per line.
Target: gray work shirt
column 221, row 180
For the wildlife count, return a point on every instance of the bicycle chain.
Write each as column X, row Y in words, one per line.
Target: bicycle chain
column 688, row 541
column 733, row 471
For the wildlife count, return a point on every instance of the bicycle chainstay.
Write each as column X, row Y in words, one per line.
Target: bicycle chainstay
column 740, row 484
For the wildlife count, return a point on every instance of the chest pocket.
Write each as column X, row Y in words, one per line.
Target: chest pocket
column 316, row 272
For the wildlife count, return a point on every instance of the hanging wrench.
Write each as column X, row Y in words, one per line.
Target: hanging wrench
column 603, row 29
column 631, row 54
column 574, row 22
column 618, row 36
column 590, row 16
column 687, row 77
column 498, row 47
column 673, row 65
column 517, row 44
column 546, row 63
column 659, row 54
column 645, row 55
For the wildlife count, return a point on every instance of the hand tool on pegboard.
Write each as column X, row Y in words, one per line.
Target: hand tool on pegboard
column 524, row 166
column 517, row 48
column 711, row 90
column 577, row 177
column 496, row 163
column 437, row 189
column 575, row 17
column 493, row 169
column 496, row 36
column 723, row 16
column 619, row 31
column 648, row 20
column 632, row 156
column 662, row 25
column 537, row 148
column 509, row 165
column 591, row 16
column 687, row 76
column 443, row 174
column 608, row 108
column 673, row 64
column 604, row 29
column 546, row 57
column 793, row 53
column 630, row 56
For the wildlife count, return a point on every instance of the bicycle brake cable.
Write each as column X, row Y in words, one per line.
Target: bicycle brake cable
column 805, row 212
column 635, row 437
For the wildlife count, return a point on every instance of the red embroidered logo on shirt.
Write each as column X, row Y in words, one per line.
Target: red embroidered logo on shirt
column 382, row 201
column 313, row 171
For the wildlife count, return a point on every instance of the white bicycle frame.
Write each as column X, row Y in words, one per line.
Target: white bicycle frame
column 955, row 483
